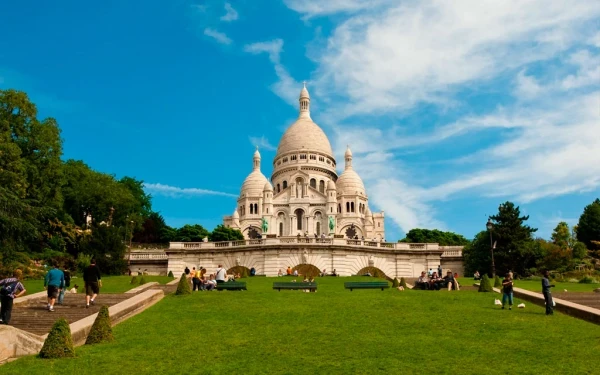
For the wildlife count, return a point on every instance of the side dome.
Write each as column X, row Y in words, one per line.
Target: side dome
column 254, row 184
column 350, row 182
column 268, row 187
column 304, row 135
column 331, row 185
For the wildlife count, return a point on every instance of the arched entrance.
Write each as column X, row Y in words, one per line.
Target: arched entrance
column 374, row 272
column 243, row 271
column 307, row 270
column 253, row 233
column 352, row 231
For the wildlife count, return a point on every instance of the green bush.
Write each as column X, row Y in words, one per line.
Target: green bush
column 59, row 343
column 587, row 280
column 484, row 284
column 184, row 286
column 142, row 280
column 134, row 280
column 497, row 282
column 171, row 274
column 403, row 282
column 395, row 283
column 101, row 329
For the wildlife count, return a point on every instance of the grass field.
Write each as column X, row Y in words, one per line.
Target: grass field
column 110, row 284
column 335, row 331
column 536, row 286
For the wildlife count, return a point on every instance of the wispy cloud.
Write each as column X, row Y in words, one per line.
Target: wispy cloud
column 220, row 37
column 230, row 15
column 286, row 87
column 262, row 143
column 177, row 192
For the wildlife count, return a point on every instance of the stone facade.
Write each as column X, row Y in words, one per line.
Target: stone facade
column 305, row 194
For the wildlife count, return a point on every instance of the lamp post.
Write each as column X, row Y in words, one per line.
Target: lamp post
column 490, row 227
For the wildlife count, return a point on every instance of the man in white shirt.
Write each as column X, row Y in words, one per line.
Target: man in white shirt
column 220, row 275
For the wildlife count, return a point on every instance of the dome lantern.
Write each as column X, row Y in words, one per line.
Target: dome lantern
column 304, row 102
column 256, row 160
column 348, row 158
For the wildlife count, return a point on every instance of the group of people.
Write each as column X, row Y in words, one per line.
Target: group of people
column 292, row 272
column 201, row 282
column 56, row 282
column 432, row 280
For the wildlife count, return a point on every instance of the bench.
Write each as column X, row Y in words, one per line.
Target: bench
column 232, row 285
column 367, row 285
column 295, row 286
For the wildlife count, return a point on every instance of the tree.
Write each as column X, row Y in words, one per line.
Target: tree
column 59, row 343
column 477, row 256
column 223, row 233
column 105, row 243
column 153, row 230
column 101, row 330
column 514, row 240
column 418, row 235
column 183, row 287
column 191, row 233
column 588, row 229
column 562, row 237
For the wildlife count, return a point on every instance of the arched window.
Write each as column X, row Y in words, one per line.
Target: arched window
column 285, row 184
column 347, row 206
column 351, row 206
column 251, row 208
column 322, row 186
column 256, row 208
column 339, row 208
column 379, row 225
column 267, row 209
column 278, row 188
column 280, row 229
column 299, row 218
column 313, row 183
column 318, row 229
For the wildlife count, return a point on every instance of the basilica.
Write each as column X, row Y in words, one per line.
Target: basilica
column 305, row 196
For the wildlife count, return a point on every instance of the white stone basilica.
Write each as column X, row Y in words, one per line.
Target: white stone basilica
column 307, row 196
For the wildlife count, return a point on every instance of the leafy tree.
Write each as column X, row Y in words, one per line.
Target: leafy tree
column 579, row 251
column 154, row 230
column 562, row 237
column 477, row 255
column 418, row 235
column 105, row 243
column 223, row 233
column 514, row 240
column 191, row 233
column 142, row 201
column 588, row 229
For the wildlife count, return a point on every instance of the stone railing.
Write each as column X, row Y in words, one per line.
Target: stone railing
column 143, row 255
column 451, row 251
column 283, row 241
column 148, row 246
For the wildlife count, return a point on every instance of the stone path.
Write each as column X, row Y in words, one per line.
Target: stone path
column 589, row 299
column 34, row 318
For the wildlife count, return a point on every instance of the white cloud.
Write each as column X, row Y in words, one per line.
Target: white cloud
column 527, row 86
column 588, row 70
column 218, row 36
column 286, row 87
column 177, row 192
column 230, row 15
column 262, row 143
column 317, row 8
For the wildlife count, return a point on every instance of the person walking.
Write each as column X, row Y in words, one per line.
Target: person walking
column 11, row 289
column 507, row 291
column 220, row 275
column 93, row 283
column 61, row 294
column 53, row 282
column 547, row 294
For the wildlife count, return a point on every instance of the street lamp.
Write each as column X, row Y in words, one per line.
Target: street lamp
column 490, row 227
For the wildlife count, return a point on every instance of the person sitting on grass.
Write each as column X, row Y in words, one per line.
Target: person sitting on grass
column 295, row 273
column 279, row 274
column 435, row 282
column 450, row 281
column 74, row 289
column 334, row 273
column 289, row 271
column 423, row 281
column 507, row 291
column 476, row 276
column 211, row 283
column 324, row 272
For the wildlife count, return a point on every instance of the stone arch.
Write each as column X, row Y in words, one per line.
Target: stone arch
column 281, row 223
column 374, row 272
column 322, row 186
column 299, row 219
column 252, row 231
column 313, row 183
column 351, row 227
column 307, row 269
column 242, row 270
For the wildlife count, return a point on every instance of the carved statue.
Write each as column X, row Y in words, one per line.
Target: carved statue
column 238, row 261
column 305, row 257
column 331, row 223
column 371, row 261
column 265, row 225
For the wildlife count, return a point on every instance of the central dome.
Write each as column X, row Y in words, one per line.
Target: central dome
column 304, row 135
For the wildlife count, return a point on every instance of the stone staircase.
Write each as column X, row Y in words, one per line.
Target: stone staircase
column 33, row 317
column 590, row 299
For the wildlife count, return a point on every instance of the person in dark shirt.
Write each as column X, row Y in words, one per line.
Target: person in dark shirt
column 507, row 291
column 547, row 294
column 93, row 282
column 10, row 289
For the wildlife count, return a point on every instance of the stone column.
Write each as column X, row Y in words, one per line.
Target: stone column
column 294, row 225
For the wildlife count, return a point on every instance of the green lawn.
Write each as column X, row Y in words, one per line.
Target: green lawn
column 536, row 286
column 110, row 284
column 335, row 331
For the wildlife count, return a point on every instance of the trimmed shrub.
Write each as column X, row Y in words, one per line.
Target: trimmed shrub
column 587, row 280
column 101, row 330
column 142, row 280
column 171, row 274
column 395, row 283
column 484, row 284
column 134, row 280
column 497, row 282
column 59, row 343
column 403, row 282
column 184, row 286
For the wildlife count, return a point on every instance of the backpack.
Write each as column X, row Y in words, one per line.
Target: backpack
column 8, row 289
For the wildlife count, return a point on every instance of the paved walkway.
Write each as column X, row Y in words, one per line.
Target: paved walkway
column 590, row 299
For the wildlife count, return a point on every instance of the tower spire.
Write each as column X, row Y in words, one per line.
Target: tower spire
column 348, row 157
column 304, row 102
column 256, row 160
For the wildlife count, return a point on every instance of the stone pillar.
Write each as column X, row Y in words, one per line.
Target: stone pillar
column 293, row 229
column 311, row 225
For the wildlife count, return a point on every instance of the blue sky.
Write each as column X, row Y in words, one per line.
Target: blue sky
column 450, row 108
